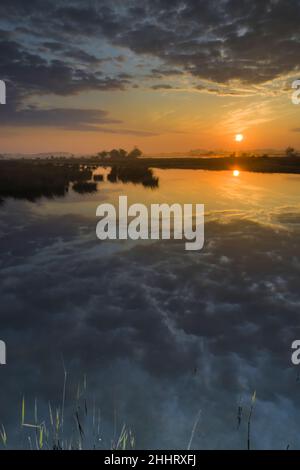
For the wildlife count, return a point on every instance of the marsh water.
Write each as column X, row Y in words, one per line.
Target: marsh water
column 148, row 335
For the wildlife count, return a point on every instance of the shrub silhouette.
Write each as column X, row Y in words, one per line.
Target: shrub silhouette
column 33, row 180
column 83, row 187
column 133, row 174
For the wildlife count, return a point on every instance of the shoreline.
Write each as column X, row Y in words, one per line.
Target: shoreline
column 252, row 164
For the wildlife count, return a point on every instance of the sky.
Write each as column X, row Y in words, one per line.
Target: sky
column 167, row 76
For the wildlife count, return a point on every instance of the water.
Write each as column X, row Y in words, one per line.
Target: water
column 155, row 336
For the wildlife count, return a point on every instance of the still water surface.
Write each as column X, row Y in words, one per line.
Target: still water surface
column 155, row 336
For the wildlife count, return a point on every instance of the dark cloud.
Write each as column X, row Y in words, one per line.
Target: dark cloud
column 164, row 72
column 52, row 47
column 87, row 120
column 78, row 54
column 213, row 40
column 75, row 119
column 162, row 86
column 220, row 41
column 33, row 74
column 29, row 74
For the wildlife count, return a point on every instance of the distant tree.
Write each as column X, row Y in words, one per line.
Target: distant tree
column 122, row 153
column 135, row 153
column 114, row 153
column 290, row 152
column 102, row 154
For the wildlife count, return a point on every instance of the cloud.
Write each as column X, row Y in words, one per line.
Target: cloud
column 68, row 48
column 79, row 55
column 250, row 115
column 217, row 41
column 165, row 72
column 76, row 119
column 32, row 74
column 73, row 119
column 162, row 86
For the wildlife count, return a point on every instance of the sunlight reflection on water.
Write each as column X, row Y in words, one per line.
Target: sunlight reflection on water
column 255, row 195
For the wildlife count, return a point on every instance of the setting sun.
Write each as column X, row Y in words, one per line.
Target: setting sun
column 239, row 137
column 236, row 173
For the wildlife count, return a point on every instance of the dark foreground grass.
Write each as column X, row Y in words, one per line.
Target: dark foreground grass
column 76, row 424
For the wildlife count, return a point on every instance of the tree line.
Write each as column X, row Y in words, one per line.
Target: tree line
column 116, row 154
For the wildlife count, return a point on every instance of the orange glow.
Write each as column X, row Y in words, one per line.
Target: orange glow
column 236, row 173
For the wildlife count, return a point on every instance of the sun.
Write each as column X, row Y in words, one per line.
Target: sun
column 239, row 137
column 236, row 173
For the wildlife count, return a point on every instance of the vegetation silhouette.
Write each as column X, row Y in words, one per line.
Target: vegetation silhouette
column 98, row 178
column 32, row 180
column 133, row 174
column 84, row 187
column 120, row 154
column 291, row 152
